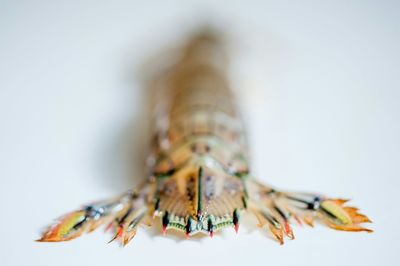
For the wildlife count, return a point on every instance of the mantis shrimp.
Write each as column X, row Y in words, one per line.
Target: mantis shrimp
column 199, row 179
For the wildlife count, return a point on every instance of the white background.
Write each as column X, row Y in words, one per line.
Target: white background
column 318, row 82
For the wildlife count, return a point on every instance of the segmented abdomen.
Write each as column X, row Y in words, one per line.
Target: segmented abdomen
column 199, row 148
column 198, row 167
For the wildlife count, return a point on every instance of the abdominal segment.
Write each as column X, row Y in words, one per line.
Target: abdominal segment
column 200, row 153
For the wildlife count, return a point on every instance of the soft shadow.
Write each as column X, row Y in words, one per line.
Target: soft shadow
column 123, row 158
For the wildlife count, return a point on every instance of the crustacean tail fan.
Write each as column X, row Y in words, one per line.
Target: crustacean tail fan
column 278, row 209
column 122, row 214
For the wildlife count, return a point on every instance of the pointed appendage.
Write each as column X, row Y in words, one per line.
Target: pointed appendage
column 69, row 226
column 165, row 222
column 122, row 214
column 235, row 220
column 278, row 209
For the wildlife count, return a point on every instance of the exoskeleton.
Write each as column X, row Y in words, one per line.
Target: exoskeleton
column 199, row 179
